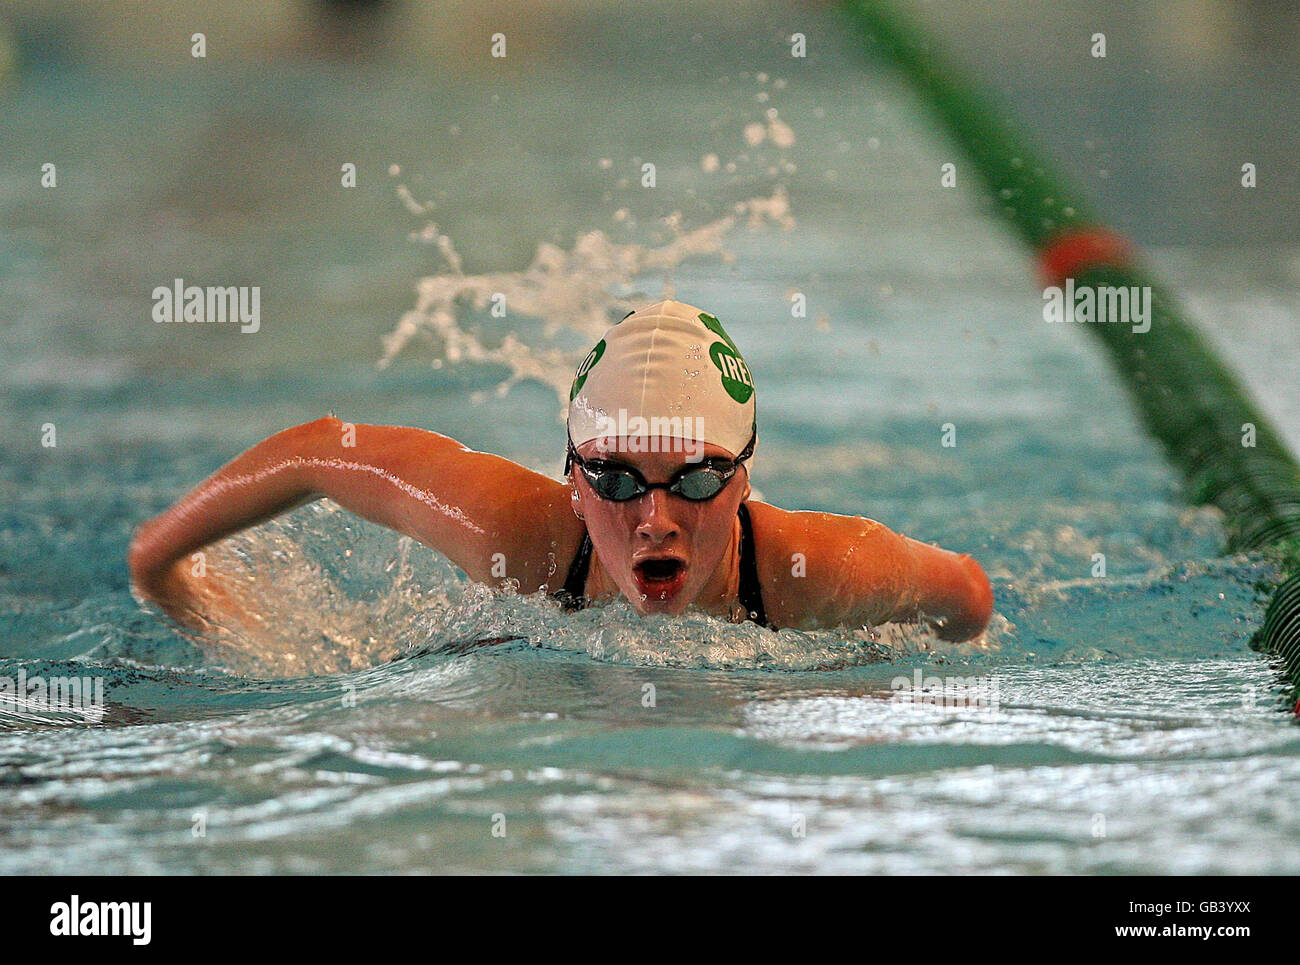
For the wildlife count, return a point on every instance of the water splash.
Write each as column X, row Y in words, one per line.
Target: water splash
column 319, row 592
column 579, row 291
column 570, row 290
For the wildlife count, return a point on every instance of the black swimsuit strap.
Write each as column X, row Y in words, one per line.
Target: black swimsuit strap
column 572, row 595
column 751, row 591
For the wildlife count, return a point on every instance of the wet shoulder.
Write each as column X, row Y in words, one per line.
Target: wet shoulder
column 801, row 558
column 530, row 532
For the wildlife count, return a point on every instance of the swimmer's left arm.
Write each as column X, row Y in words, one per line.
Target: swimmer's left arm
column 852, row 571
column 949, row 590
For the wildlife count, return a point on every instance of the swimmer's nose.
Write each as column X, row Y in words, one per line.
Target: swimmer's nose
column 656, row 521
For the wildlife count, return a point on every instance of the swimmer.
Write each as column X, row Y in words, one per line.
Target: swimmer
column 654, row 507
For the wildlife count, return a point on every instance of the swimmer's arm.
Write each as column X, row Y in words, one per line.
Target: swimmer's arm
column 853, row 571
column 949, row 590
column 258, row 485
column 493, row 518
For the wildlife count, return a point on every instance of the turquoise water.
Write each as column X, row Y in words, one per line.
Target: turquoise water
column 386, row 716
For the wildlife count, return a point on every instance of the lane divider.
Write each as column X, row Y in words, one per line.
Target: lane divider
column 1229, row 454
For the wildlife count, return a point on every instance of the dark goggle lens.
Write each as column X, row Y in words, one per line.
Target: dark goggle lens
column 615, row 485
column 702, row 483
column 620, row 486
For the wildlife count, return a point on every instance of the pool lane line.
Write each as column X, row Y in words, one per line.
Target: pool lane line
column 10, row 59
column 1187, row 398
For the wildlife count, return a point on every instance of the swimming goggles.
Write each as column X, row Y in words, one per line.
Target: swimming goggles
column 697, row 482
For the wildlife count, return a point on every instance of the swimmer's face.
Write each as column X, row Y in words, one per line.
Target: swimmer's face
column 660, row 548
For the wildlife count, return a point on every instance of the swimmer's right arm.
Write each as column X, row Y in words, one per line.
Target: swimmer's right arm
column 487, row 514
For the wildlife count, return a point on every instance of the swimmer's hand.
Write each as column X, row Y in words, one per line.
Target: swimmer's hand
column 960, row 590
column 947, row 590
column 194, row 597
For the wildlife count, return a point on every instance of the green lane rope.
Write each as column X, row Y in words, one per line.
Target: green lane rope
column 1187, row 398
column 9, row 59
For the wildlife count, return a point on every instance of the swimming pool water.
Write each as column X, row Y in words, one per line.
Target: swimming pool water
column 363, row 725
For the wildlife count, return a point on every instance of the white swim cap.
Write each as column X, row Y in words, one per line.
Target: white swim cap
column 666, row 370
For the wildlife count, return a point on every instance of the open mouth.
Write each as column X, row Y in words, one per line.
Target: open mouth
column 659, row 571
column 660, row 578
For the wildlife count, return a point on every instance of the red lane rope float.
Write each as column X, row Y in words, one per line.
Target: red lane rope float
column 1069, row 254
